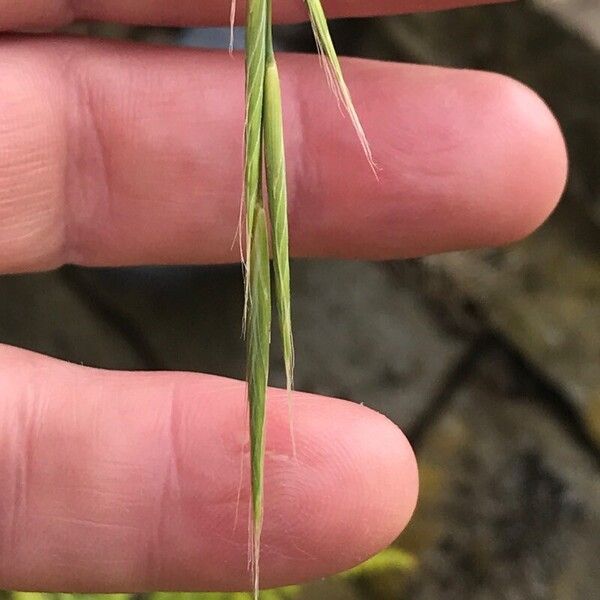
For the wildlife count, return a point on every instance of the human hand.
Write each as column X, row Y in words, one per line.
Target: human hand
column 115, row 154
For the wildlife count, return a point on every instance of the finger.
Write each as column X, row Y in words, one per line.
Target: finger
column 118, row 154
column 19, row 14
column 129, row 481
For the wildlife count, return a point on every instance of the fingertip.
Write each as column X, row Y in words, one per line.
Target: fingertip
column 526, row 159
column 397, row 488
column 549, row 172
column 468, row 159
column 362, row 484
column 392, row 477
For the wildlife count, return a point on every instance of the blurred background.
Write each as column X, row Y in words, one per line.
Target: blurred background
column 489, row 360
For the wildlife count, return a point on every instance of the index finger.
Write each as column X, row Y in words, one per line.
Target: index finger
column 131, row 481
column 23, row 14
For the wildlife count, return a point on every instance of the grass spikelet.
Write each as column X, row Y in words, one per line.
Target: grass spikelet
column 335, row 76
column 258, row 341
column 264, row 148
column 255, row 74
column 274, row 152
column 257, row 304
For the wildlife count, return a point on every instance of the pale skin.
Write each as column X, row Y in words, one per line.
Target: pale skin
column 116, row 154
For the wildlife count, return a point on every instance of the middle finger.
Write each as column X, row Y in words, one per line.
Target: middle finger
column 117, row 154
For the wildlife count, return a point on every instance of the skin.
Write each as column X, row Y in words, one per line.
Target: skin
column 114, row 154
